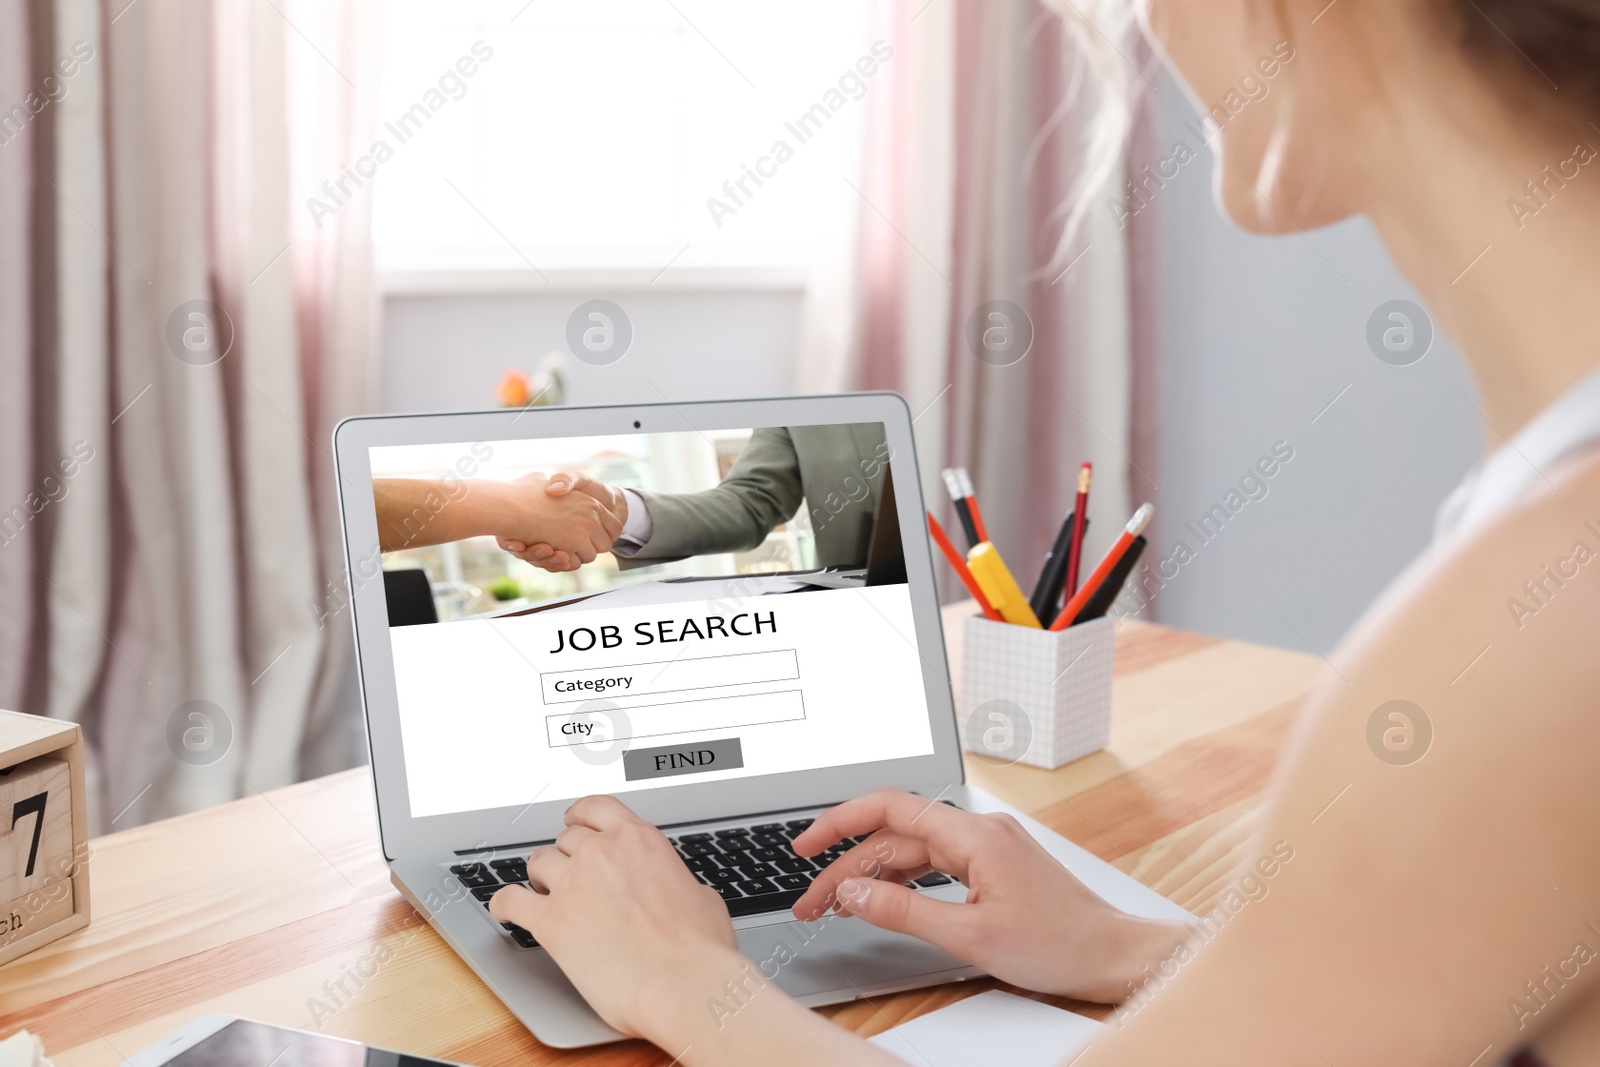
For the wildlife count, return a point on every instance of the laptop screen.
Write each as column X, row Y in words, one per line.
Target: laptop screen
column 608, row 614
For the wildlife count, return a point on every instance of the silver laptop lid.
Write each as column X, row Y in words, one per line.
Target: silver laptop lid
column 739, row 662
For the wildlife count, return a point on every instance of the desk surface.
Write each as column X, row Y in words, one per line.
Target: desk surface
column 279, row 907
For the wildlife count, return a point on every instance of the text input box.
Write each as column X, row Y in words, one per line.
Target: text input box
column 668, row 676
column 600, row 725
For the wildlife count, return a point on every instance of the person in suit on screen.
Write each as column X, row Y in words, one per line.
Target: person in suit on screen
column 836, row 471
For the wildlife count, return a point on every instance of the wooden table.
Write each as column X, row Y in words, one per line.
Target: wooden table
column 278, row 907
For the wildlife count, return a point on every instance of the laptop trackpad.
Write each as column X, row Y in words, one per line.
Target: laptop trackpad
column 845, row 954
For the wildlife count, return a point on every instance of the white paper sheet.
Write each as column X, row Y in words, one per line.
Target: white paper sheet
column 992, row 1027
column 23, row 1049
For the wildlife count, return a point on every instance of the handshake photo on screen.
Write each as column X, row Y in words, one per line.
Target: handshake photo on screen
column 486, row 528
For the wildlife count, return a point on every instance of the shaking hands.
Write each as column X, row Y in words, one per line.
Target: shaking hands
column 558, row 522
column 564, row 521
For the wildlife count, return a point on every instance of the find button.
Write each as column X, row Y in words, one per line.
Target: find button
column 690, row 757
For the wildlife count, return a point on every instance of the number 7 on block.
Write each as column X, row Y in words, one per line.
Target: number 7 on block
column 35, row 826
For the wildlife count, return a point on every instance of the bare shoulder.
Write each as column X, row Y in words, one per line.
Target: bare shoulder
column 1435, row 806
column 1487, row 648
column 1515, row 604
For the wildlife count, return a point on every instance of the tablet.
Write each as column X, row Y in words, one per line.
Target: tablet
column 227, row 1041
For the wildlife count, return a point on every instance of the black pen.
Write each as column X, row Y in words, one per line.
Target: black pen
column 959, row 483
column 1046, row 598
column 1108, row 592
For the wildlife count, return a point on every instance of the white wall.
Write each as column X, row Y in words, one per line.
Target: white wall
column 1257, row 336
column 445, row 349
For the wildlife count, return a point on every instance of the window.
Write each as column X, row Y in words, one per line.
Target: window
column 557, row 133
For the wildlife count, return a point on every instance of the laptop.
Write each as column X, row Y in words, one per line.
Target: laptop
column 728, row 712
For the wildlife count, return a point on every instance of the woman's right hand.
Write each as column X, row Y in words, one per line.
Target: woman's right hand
column 1026, row 920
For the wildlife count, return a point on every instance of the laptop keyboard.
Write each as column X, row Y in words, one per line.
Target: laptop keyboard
column 753, row 868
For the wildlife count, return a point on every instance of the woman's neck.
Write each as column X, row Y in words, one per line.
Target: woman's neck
column 1516, row 287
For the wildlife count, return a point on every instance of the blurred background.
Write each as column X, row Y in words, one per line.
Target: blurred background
column 225, row 225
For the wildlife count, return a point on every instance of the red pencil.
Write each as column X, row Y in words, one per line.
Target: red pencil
column 1130, row 533
column 960, row 566
column 1079, row 515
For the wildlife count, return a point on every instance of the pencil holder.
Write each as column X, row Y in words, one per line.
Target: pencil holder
column 1033, row 696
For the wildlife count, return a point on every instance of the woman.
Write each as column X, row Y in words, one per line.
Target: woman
column 1439, row 912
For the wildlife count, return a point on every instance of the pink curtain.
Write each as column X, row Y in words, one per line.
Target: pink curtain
column 19, row 143
column 1018, row 112
column 186, row 348
column 1144, row 295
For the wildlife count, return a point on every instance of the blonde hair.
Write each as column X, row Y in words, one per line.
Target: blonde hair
column 1108, row 40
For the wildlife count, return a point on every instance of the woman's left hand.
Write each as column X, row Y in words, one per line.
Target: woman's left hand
column 615, row 906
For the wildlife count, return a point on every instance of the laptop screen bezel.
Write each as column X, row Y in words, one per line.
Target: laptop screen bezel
column 539, row 819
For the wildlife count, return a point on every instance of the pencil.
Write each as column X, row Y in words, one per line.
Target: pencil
column 1130, row 533
column 1100, row 604
column 942, row 539
column 1080, row 515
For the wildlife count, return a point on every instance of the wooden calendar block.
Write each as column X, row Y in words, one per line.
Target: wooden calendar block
column 43, row 909
column 35, row 826
column 44, row 870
